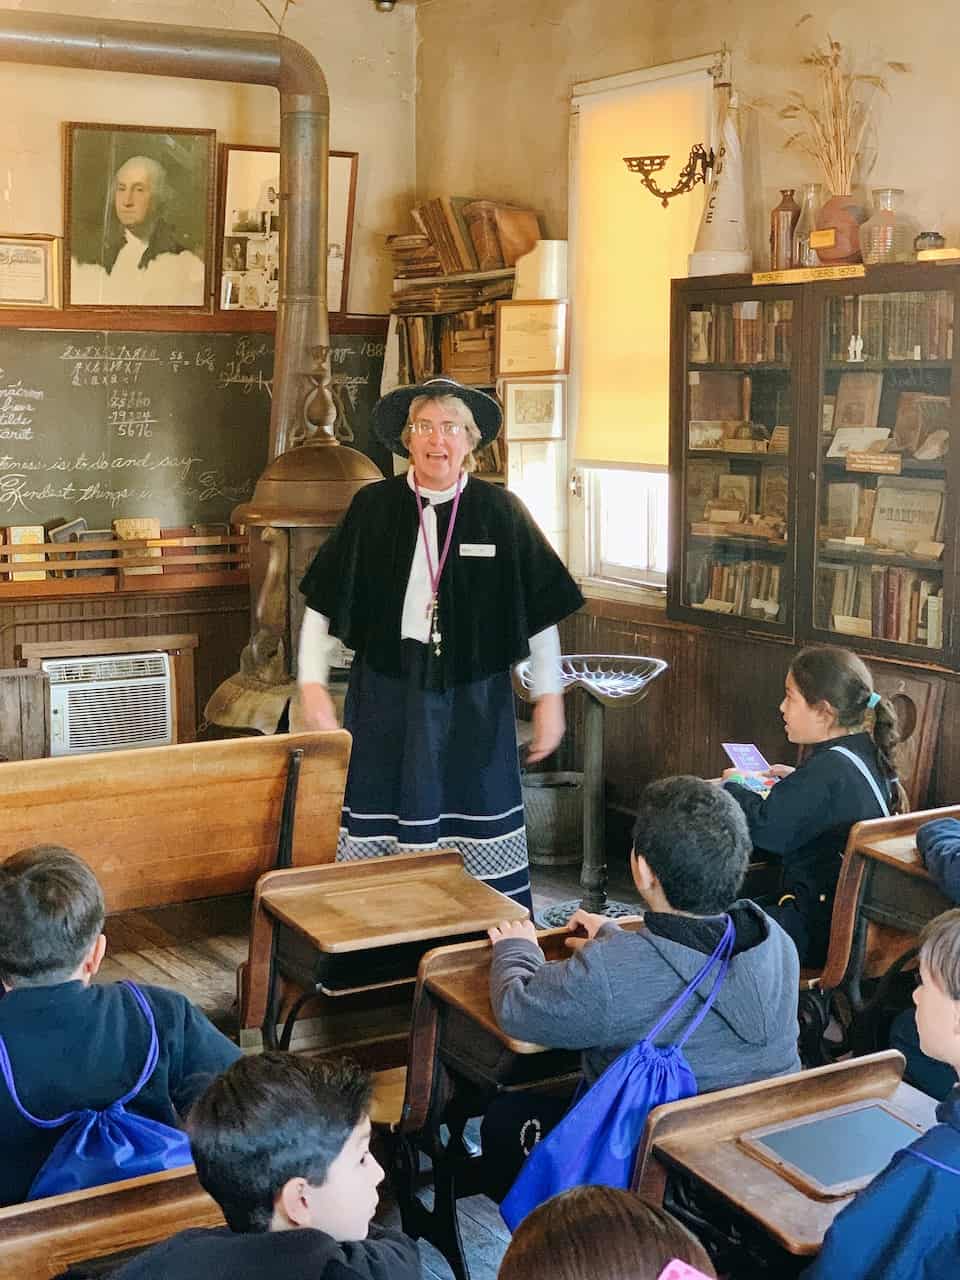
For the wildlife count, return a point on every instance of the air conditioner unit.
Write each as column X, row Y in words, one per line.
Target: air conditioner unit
column 110, row 702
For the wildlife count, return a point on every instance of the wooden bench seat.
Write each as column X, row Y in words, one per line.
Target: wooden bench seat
column 162, row 825
column 40, row 1239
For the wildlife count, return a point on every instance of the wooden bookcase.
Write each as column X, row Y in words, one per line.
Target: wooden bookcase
column 783, row 524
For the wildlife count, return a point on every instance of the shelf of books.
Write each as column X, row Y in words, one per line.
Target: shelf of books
column 733, row 417
column 813, row 483
column 884, row 431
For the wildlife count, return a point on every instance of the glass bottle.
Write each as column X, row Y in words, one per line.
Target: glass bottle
column 783, row 219
column 888, row 234
column 810, row 201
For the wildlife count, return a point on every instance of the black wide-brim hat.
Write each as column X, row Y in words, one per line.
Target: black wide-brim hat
column 390, row 412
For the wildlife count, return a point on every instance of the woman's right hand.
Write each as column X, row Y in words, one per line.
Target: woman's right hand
column 780, row 770
column 317, row 707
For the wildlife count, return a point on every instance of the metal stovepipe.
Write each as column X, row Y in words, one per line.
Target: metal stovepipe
column 302, row 361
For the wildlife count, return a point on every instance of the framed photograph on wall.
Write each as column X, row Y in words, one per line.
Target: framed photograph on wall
column 30, row 271
column 138, row 215
column 533, row 410
column 533, row 338
column 249, row 250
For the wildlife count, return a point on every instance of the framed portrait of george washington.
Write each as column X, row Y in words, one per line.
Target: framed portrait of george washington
column 138, row 215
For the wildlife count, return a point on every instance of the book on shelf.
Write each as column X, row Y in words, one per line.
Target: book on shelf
column 95, row 535
column 858, row 400
column 441, row 297
column 882, row 602
column 919, row 415
column 702, row 478
column 774, row 492
column 715, row 395
column 17, row 535
column 746, row 588
column 501, row 233
column 64, row 532
column 896, row 326
column 468, row 346
column 843, row 509
column 907, row 512
column 136, row 529
column 749, row 332
column 414, row 255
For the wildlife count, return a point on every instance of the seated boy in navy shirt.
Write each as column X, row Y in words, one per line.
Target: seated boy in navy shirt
column 906, row 1223
column 282, row 1144
column 72, row 1043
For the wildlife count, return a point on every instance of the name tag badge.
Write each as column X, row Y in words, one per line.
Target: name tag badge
column 481, row 550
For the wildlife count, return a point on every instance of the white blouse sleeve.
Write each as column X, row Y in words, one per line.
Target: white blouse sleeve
column 317, row 648
column 545, row 662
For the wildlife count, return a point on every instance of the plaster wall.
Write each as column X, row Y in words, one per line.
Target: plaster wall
column 368, row 59
column 494, row 82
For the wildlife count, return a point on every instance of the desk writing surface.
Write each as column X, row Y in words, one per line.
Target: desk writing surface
column 389, row 901
column 900, row 851
column 797, row 1221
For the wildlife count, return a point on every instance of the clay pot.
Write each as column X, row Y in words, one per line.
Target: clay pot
column 844, row 214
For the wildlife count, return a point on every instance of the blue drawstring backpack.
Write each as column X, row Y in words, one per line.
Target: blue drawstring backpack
column 108, row 1145
column 596, row 1142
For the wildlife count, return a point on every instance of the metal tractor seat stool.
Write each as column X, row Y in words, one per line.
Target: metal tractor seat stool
column 608, row 680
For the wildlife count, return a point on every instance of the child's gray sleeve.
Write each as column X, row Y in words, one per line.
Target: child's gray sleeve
column 564, row 1004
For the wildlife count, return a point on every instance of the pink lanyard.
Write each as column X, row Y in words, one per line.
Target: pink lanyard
column 433, row 608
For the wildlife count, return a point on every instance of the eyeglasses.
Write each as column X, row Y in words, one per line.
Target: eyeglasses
column 423, row 427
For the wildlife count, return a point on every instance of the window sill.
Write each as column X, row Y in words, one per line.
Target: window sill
column 625, row 593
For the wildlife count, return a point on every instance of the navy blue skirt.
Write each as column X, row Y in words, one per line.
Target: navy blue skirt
column 435, row 770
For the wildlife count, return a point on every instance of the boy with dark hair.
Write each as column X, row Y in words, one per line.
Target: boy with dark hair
column 689, row 857
column 282, row 1144
column 906, row 1223
column 74, row 1044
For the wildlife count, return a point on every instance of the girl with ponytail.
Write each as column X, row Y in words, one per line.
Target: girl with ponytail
column 848, row 774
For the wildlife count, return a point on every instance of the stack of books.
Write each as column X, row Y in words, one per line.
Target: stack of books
column 460, row 234
column 467, row 345
column 444, row 297
column 414, row 256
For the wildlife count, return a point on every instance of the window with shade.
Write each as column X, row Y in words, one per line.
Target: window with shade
column 625, row 248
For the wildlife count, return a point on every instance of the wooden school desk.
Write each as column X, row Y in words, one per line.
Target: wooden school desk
column 359, row 926
column 458, row 1060
column 699, row 1137
column 884, row 898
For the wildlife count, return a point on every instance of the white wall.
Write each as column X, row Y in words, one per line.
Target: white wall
column 368, row 58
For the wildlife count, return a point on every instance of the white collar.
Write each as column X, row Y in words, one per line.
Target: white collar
column 436, row 496
column 135, row 240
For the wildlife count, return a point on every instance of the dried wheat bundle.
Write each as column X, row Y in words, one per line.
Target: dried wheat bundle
column 835, row 123
column 277, row 21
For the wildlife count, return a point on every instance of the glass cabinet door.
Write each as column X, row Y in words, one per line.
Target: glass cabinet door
column 885, row 415
column 739, row 405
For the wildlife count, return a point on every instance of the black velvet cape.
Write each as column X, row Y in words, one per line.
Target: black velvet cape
column 490, row 606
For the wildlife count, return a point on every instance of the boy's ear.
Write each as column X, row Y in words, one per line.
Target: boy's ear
column 290, row 1206
column 94, row 957
column 643, row 877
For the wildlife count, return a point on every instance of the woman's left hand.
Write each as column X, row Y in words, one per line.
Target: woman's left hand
column 548, row 726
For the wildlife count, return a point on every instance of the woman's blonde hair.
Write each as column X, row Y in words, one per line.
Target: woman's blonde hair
column 599, row 1233
column 453, row 404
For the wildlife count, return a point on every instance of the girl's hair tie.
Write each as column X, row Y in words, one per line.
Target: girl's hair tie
column 872, row 701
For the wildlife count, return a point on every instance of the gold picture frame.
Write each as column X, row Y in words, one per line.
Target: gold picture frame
column 533, row 338
column 30, row 271
column 139, row 204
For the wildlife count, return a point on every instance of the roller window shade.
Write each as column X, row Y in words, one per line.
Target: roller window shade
column 627, row 248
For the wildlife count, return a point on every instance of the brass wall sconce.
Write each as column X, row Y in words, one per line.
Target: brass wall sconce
column 699, row 162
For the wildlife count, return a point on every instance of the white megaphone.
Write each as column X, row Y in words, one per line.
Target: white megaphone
column 722, row 244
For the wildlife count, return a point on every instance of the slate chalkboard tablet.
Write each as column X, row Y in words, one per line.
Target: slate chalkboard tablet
column 104, row 424
column 836, row 1152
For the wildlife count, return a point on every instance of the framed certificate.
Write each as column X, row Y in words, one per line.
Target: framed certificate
column 533, row 338
column 29, row 271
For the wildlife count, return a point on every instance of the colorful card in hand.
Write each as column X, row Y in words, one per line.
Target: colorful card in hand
column 745, row 756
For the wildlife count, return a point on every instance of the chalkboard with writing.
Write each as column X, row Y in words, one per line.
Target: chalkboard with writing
column 170, row 425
